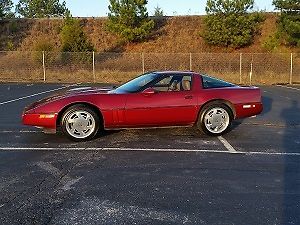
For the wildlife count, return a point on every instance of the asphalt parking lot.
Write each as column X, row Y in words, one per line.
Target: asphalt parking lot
column 161, row 176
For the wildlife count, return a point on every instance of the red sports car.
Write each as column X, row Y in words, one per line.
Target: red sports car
column 155, row 99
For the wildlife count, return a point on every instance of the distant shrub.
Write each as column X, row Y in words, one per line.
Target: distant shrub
column 229, row 23
column 158, row 12
column 13, row 27
column 73, row 37
column 41, row 8
column 43, row 45
column 289, row 27
column 289, row 21
column 272, row 42
column 129, row 19
column 10, row 46
column 46, row 46
column 6, row 9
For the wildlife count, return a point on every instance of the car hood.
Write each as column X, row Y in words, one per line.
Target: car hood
column 69, row 93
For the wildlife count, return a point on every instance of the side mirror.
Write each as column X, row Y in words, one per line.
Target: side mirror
column 149, row 91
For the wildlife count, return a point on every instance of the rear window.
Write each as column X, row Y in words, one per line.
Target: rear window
column 211, row 82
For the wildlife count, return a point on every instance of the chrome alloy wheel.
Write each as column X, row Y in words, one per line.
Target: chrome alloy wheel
column 80, row 124
column 216, row 120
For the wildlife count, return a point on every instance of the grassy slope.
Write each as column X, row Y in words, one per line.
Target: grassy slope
column 174, row 34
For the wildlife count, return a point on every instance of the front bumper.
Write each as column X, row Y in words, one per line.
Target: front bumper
column 47, row 121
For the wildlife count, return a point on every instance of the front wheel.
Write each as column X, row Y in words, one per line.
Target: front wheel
column 80, row 123
column 215, row 119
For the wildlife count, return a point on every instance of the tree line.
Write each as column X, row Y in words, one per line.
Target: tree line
column 229, row 23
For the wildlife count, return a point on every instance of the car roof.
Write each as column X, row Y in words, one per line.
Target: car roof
column 174, row 72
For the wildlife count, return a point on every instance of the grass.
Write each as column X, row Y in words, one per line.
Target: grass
column 119, row 68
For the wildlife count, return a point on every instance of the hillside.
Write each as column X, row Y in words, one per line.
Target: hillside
column 172, row 34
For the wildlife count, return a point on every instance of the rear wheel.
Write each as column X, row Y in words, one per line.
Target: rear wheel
column 215, row 119
column 80, row 123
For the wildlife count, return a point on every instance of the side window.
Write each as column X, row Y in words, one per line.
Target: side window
column 210, row 82
column 163, row 85
column 186, row 83
column 174, row 83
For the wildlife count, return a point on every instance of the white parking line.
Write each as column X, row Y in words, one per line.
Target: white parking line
column 297, row 89
column 227, row 145
column 19, row 131
column 105, row 149
column 148, row 150
column 33, row 95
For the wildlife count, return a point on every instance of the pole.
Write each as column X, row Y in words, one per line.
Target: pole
column 291, row 72
column 143, row 62
column 191, row 62
column 44, row 66
column 94, row 74
column 251, row 70
column 241, row 67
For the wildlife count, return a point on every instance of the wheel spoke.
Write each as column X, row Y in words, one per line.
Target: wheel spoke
column 78, row 114
column 73, row 129
column 72, row 120
column 89, row 126
column 88, row 118
column 223, row 115
column 210, row 120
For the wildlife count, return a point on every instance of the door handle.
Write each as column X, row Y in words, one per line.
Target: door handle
column 188, row 97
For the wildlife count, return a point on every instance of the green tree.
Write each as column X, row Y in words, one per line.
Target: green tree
column 289, row 21
column 129, row 19
column 230, row 23
column 158, row 12
column 41, row 8
column 73, row 37
column 5, row 9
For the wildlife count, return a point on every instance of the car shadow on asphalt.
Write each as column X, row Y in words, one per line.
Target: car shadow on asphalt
column 267, row 104
column 291, row 173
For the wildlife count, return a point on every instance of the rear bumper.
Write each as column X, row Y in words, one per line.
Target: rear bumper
column 47, row 121
column 248, row 110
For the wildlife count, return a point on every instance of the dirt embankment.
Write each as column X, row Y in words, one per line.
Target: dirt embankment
column 172, row 34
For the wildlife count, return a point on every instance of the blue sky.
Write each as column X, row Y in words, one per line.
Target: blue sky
column 97, row 8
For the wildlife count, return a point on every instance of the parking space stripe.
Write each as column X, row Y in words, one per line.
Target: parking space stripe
column 227, row 145
column 149, row 150
column 104, row 149
column 33, row 95
column 19, row 131
column 292, row 88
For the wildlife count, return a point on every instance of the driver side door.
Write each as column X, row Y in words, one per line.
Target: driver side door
column 168, row 105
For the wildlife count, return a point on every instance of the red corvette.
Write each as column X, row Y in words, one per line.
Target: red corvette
column 155, row 99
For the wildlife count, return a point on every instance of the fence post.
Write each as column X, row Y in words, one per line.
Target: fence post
column 94, row 74
column 191, row 62
column 291, row 72
column 241, row 67
column 44, row 66
column 251, row 71
column 143, row 62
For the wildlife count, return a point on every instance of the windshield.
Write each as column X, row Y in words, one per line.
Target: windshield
column 136, row 84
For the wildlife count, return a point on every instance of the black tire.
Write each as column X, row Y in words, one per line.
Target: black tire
column 202, row 123
column 82, row 110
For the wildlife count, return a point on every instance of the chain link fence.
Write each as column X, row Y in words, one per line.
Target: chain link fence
column 91, row 67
